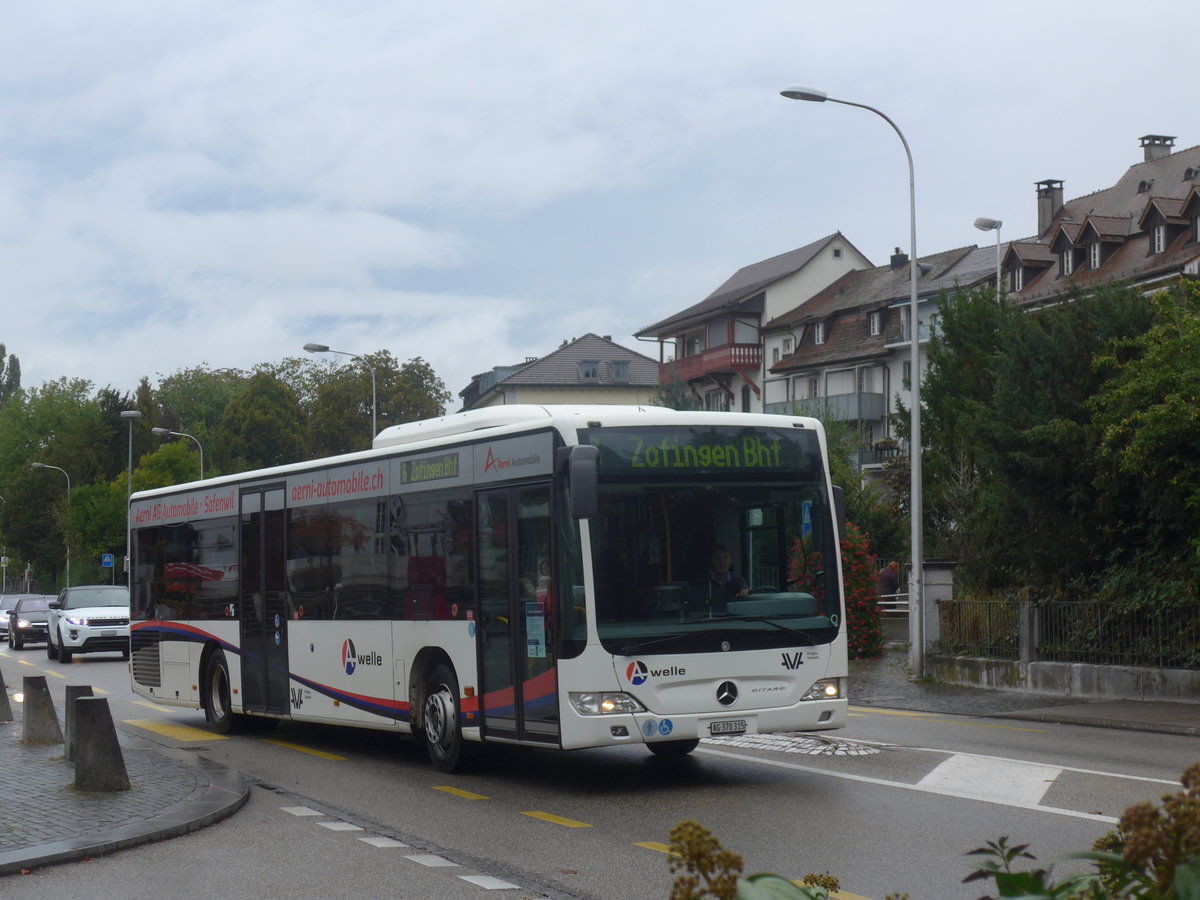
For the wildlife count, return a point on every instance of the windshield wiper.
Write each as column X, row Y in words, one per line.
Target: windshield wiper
column 808, row 638
column 639, row 646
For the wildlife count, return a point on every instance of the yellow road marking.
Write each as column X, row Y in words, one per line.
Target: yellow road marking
column 556, row 820
column 184, row 733
column 24, row 662
column 911, row 714
column 654, row 845
column 308, row 750
column 97, row 690
column 458, row 792
column 905, row 713
column 54, row 674
column 153, row 706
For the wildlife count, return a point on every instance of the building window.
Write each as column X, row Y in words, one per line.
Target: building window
column 1018, row 279
column 619, row 369
column 1094, row 257
column 716, row 401
column 787, row 345
column 1160, row 238
column 1066, row 262
column 866, row 381
column 837, row 252
column 819, row 333
column 906, row 371
column 814, row 387
column 589, row 370
column 1196, row 228
column 874, row 323
column 774, row 355
column 693, row 345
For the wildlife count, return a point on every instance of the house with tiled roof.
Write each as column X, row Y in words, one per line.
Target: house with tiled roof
column 852, row 341
column 715, row 347
column 1145, row 229
column 591, row 369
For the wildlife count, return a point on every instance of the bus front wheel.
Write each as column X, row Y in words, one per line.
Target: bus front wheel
column 673, row 749
column 441, row 723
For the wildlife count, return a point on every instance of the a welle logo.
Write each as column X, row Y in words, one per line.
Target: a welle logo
column 639, row 673
column 352, row 660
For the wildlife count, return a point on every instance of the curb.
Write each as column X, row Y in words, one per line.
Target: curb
column 226, row 792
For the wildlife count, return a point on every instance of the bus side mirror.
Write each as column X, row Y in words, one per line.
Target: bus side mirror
column 583, row 464
column 839, row 510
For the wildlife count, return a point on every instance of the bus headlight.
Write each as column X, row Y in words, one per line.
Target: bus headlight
column 602, row 703
column 825, row 689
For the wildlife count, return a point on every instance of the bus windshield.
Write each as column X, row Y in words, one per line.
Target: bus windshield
column 711, row 538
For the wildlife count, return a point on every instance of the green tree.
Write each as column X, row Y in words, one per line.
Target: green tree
column 1148, row 417
column 10, row 375
column 262, row 426
column 341, row 409
column 675, row 394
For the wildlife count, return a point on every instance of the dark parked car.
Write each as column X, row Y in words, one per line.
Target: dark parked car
column 27, row 621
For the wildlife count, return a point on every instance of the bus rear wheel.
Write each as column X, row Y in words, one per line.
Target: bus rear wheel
column 673, row 749
column 441, row 724
column 218, row 707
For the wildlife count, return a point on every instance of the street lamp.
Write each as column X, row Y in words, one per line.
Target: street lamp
column 916, row 590
column 983, row 223
column 324, row 348
column 163, row 432
column 38, row 465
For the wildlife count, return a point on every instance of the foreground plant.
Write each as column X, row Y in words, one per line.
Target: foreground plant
column 1154, row 854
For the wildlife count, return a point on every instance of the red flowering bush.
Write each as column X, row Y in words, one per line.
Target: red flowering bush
column 864, row 631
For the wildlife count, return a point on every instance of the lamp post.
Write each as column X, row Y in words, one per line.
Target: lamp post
column 324, row 348
column 916, row 591
column 38, row 465
column 983, row 223
column 163, row 432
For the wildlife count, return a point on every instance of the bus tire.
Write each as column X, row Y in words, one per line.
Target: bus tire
column 673, row 749
column 216, row 697
column 441, row 722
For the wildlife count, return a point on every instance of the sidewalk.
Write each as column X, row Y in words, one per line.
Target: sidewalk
column 885, row 683
column 43, row 820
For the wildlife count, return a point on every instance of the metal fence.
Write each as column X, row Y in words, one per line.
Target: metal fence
column 980, row 628
column 1102, row 633
column 1092, row 632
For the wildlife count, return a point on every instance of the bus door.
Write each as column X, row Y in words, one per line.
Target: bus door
column 263, row 598
column 517, row 615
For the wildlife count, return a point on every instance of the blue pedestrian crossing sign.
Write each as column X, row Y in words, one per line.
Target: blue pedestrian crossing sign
column 106, row 560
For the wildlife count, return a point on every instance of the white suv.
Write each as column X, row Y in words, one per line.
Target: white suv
column 87, row 618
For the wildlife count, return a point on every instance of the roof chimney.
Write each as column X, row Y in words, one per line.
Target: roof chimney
column 899, row 260
column 1156, row 146
column 1049, row 202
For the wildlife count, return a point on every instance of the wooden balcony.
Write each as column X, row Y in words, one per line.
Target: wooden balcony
column 724, row 360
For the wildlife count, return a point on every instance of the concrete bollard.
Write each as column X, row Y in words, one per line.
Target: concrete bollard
column 5, row 705
column 99, row 765
column 74, row 692
column 41, row 721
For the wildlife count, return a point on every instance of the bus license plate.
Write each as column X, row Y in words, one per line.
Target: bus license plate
column 728, row 726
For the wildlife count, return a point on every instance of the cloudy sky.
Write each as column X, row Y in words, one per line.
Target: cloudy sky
column 193, row 183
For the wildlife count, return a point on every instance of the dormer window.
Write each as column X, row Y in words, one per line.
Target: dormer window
column 1196, row 227
column 1018, row 279
column 819, row 333
column 589, row 370
column 1159, row 238
column 1066, row 262
column 1095, row 257
column 874, row 323
column 787, row 345
column 620, row 370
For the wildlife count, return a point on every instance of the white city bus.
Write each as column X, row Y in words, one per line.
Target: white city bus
column 530, row 575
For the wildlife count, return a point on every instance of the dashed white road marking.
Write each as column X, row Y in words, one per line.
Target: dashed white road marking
column 340, row 826
column 1007, row 781
column 430, row 859
column 489, row 882
column 378, row 841
column 301, row 811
